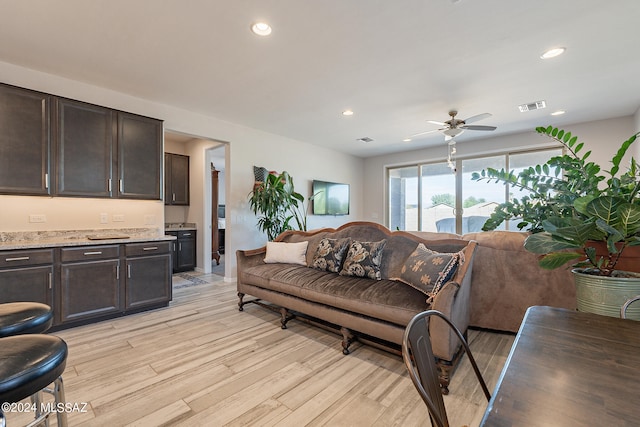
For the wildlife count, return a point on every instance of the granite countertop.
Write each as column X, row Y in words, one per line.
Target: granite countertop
column 180, row 226
column 36, row 240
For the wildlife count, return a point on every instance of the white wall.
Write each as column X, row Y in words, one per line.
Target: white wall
column 247, row 147
column 602, row 137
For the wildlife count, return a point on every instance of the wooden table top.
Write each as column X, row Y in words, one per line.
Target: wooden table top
column 568, row 368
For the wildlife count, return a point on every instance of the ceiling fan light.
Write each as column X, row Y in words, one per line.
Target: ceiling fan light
column 453, row 132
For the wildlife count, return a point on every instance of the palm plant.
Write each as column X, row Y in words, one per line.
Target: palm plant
column 277, row 203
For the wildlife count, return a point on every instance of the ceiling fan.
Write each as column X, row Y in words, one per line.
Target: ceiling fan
column 454, row 127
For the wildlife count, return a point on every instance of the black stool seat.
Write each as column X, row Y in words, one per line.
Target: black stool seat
column 24, row 318
column 29, row 363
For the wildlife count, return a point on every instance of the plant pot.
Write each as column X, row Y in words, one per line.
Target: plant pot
column 606, row 295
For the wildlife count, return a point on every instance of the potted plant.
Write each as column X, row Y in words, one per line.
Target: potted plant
column 576, row 214
column 276, row 202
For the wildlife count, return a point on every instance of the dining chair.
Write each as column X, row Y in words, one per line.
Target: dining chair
column 421, row 364
column 623, row 309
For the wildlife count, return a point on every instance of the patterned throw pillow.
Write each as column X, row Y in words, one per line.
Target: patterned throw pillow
column 427, row 270
column 330, row 254
column 364, row 259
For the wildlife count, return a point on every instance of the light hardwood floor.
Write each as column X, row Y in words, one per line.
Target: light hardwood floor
column 201, row 362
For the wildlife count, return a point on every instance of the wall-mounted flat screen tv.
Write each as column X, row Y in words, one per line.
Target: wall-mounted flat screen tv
column 330, row 198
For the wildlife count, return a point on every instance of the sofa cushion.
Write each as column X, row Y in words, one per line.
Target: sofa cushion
column 364, row 259
column 330, row 254
column 280, row 252
column 381, row 299
column 427, row 270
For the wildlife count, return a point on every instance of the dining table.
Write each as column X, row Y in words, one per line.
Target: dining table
column 569, row 368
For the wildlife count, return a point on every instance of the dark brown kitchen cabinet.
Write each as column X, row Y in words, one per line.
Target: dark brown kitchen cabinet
column 27, row 275
column 139, row 157
column 148, row 278
column 176, row 179
column 90, row 284
column 55, row 146
column 85, row 139
column 25, row 141
column 184, row 250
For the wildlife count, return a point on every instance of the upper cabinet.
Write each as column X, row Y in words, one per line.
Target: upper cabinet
column 85, row 149
column 176, row 181
column 61, row 147
column 139, row 157
column 25, row 141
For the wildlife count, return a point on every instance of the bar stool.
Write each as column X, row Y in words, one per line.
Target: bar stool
column 30, row 364
column 24, row 318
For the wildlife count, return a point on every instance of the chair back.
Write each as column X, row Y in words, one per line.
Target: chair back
column 418, row 357
column 623, row 309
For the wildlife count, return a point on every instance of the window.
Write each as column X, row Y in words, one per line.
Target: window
column 444, row 201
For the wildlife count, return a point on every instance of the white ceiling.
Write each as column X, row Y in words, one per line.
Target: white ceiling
column 395, row 63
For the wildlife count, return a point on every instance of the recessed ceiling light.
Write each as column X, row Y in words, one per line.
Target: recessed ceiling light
column 558, row 113
column 552, row 53
column 347, row 113
column 261, row 29
column 406, row 140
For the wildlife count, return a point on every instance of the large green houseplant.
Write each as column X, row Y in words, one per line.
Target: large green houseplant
column 276, row 203
column 577, row 214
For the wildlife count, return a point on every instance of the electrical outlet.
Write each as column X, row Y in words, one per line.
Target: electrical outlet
column 118, row 218
column 37, row 218
column 104, row 218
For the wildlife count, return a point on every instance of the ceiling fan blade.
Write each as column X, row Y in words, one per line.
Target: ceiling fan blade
column 424, row 133
column 478, row 127
column 477, row 117
column 436, row 122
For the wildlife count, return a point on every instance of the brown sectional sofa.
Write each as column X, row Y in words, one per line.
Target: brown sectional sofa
column 362, row 308
column 492, row 290
column 506, row 280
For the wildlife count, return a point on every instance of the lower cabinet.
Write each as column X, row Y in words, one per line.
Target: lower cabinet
column 148, row 280
column 184, row 250
column 89, row 282
column 27, row 276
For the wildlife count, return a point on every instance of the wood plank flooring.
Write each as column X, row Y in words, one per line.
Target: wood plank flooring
column 201, row 362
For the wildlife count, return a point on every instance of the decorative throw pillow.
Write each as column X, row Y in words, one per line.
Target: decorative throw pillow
column 330, row 254
column 288, row 253
column 363, row 259
column 427, row 270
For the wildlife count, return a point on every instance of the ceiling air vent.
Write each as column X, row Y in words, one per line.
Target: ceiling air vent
column 365, row 139
column 533, row 106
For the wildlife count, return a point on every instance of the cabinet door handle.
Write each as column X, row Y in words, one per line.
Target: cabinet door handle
column 174, row 197
column 186, row 234
column 46, row 180
column 121, row 186
column 93, row 253
column 18, row 258
column 150, row 248
column 109, row 185
column 50, row 281
column 118, row 272
column 179, row 246
column 129, row 271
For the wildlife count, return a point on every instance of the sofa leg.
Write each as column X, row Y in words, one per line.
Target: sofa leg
column 285, row 317
column 444, row 375
column 240, row 302
column 347, row 339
